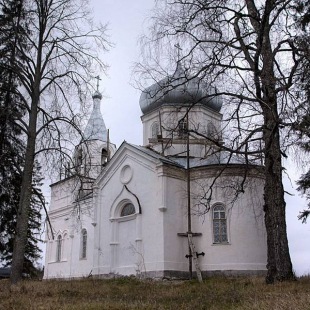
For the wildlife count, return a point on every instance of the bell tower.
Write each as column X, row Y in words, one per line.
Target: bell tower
column 95, row 148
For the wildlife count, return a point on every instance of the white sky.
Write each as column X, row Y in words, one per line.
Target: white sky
column 121, row 111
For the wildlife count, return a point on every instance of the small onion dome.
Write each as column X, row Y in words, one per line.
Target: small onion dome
column 178, row 90
column 95, row 128
column 97, row 95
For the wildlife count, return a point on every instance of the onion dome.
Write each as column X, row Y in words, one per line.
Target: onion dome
column 95, row 128
column 97, row 95
column 178, row 90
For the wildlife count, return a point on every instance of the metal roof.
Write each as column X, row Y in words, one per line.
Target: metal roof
column 219, row 158
column 178, row 90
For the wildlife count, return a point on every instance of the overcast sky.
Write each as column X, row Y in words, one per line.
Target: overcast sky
column 121, row 111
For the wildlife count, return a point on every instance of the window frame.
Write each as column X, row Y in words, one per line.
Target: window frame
column 221, row 220
column 132, row 211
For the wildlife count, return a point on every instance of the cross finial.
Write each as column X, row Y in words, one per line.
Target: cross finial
column 98, row 79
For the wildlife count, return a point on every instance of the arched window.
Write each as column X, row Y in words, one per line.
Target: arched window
column 155, row 130
column 58, row 248
column 104, row 156
column 83, row 243
column 219, row 224
column 128, row 209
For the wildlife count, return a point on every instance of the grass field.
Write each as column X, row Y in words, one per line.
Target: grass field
column 130, row 293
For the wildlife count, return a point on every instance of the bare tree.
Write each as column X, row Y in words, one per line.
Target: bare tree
column 60, row 56
column 245, row 51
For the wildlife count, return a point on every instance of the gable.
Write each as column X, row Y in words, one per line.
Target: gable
column 126, row 160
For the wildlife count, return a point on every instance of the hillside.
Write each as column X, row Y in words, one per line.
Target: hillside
column 130, row 293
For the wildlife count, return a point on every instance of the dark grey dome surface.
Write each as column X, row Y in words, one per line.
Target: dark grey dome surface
column 178, row 90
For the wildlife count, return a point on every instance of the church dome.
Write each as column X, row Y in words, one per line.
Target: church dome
column 178, row 90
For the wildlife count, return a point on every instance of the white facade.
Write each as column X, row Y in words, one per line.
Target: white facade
column 129, row 216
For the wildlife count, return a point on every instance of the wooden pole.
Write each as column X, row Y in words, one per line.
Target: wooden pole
column 108, row 146
column 189, row 220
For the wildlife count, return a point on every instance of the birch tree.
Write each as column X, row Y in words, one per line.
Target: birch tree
column 59, row 55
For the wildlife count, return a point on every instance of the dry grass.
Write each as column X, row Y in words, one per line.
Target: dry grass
column 128, row 293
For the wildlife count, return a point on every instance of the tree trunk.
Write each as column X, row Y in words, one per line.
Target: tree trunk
column 278, row 261
column 20, row 240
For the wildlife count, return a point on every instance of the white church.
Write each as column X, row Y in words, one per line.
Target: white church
column 125, row 211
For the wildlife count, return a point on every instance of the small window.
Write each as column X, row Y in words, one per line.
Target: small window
column 182, row 128
column 128, row 209
column 83, row 244
column 155, row 130
column 104, row 156
column 219, row 224
column 58, row 249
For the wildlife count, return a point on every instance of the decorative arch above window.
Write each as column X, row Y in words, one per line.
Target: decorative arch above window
column 128, row 209
column 83, row 243
column 219, row 224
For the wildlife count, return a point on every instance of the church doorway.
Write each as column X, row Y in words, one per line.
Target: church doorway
column 127, row 248
column 125, row 254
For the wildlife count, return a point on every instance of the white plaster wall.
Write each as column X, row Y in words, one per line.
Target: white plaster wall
column 147, row 239
column 247, row 247
column 175, row 221
column 61, row 194
column 82, row 267
column 65, row 222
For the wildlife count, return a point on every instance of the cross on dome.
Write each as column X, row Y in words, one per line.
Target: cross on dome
column 97, row 93
column 98, row 79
